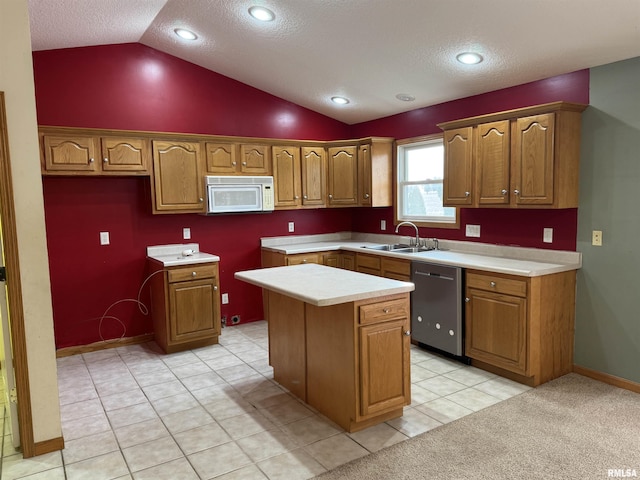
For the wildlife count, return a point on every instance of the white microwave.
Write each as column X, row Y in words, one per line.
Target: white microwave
column 237, row 194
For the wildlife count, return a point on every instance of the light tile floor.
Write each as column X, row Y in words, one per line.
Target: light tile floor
column 215, row 412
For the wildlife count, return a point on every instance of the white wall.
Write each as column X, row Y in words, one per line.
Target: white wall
column 16, row 81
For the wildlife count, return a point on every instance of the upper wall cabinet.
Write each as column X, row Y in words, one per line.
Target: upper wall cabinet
column 524, row 158
column 77, row 152
column 255, row 159
column 286, row 176
column 343, row 176
column 228, row 157
column 314, row 176
column 178, row 183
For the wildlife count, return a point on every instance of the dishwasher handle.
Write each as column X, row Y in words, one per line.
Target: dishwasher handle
column 434, row 275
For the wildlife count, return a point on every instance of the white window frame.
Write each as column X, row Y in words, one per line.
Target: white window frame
column 423, row 221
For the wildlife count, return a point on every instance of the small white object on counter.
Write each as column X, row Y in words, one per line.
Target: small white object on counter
column 180, row 254
column 321, row 286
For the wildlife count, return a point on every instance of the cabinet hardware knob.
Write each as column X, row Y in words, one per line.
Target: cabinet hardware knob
column 201, row 199
column 366, row 195
column 516, row 191
column 304, row 261
column 386, row 310
column 215, row 287
column 244, row 164
column 407, row 333
column 504, row 192
column 91, row 160
column 467, row 300
column 466, row 194
column 105, row 160
column 296, row 197
column 330, row 196
column 493, row 284
column 193, row 274
column 305, row 197
column 233, row 163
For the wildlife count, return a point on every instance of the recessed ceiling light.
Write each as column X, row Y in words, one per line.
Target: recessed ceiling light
column 261, row 13
column 340, row 100
column 186, row 34
column 469, row 58
column 405, row 97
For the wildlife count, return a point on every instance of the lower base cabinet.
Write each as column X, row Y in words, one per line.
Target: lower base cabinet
column 185, row 306
column 349, row 361
column 521, row 327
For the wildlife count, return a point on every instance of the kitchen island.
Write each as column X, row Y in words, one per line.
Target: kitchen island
column 338, row 340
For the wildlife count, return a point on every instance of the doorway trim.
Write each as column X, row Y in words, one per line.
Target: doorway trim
column 14, row 291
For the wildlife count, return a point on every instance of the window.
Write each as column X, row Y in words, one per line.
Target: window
column 420, row 183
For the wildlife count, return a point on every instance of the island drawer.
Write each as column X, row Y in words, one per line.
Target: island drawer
column 192, row 272
column 299, row 258
column 382, row 311
column 498, row 284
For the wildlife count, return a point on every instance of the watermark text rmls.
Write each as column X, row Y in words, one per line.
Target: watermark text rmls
column 622, row 473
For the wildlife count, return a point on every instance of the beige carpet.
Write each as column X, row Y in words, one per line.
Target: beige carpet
column 570, row 428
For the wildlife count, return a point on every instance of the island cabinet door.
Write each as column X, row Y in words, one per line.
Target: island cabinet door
column 384, row 367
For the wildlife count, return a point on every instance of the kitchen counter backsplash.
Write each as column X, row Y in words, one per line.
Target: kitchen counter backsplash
column 308, row 243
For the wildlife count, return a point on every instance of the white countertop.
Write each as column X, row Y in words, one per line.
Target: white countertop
column 174, row 255
column 320, row 285
column 527, row 262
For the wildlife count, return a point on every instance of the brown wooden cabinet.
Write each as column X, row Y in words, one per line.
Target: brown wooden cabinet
column 349, row 361
column 383, row 266
column 68, row 152
column 255, row 159
column 287, row 176
column 375, row 175
column 524, row 158
column 521, row 327
column 185, row 306
column 221, row 158
column 178, row 181
column 343, row 176
column 314, row 176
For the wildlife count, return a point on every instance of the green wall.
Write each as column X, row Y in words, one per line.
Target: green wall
column 608, row 298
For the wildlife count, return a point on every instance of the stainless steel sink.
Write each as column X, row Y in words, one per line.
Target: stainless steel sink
column 399, row 248
column 389, row 248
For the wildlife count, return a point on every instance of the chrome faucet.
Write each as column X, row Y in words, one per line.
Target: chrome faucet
column 414, row 226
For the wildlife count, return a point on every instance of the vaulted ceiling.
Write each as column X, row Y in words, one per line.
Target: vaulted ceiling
column 368, row 51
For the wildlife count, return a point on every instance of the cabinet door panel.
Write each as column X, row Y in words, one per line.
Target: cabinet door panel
column 533, row 161
column 364, row 175
column 314, row 176
column 384, row 366
column 221, row 157
column 71, row 153
column 458, row 167
column 496, row 329
column 492, row 163
column 178, row 179
column 286, row 174
column 193, row 310
column 343, row 176
column 255, row 159
column 125, row 154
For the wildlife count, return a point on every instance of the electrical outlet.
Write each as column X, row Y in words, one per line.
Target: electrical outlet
column 596, row 238
column 292, row 227
column 225, row 298
column 547, row 235
column 104, row 238
column 473, row 231
column 186, row 233
column 383, row 225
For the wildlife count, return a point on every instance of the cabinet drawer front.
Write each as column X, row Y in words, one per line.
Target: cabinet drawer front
column 382, row 311
column 303, row 258
column 368, row 261
column 509, row 286
column 192, row 273
column 401, row 268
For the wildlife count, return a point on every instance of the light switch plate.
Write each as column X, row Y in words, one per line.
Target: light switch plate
column 104, row 238
column 472, row 231
column 292, row 227
column 383, row 225
column 547, row 235
column 225, row 298
column 186, row 233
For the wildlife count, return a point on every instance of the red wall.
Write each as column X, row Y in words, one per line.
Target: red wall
column 134, row 87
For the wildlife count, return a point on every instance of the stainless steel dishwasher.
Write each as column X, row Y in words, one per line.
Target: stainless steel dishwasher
column 436, row 307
